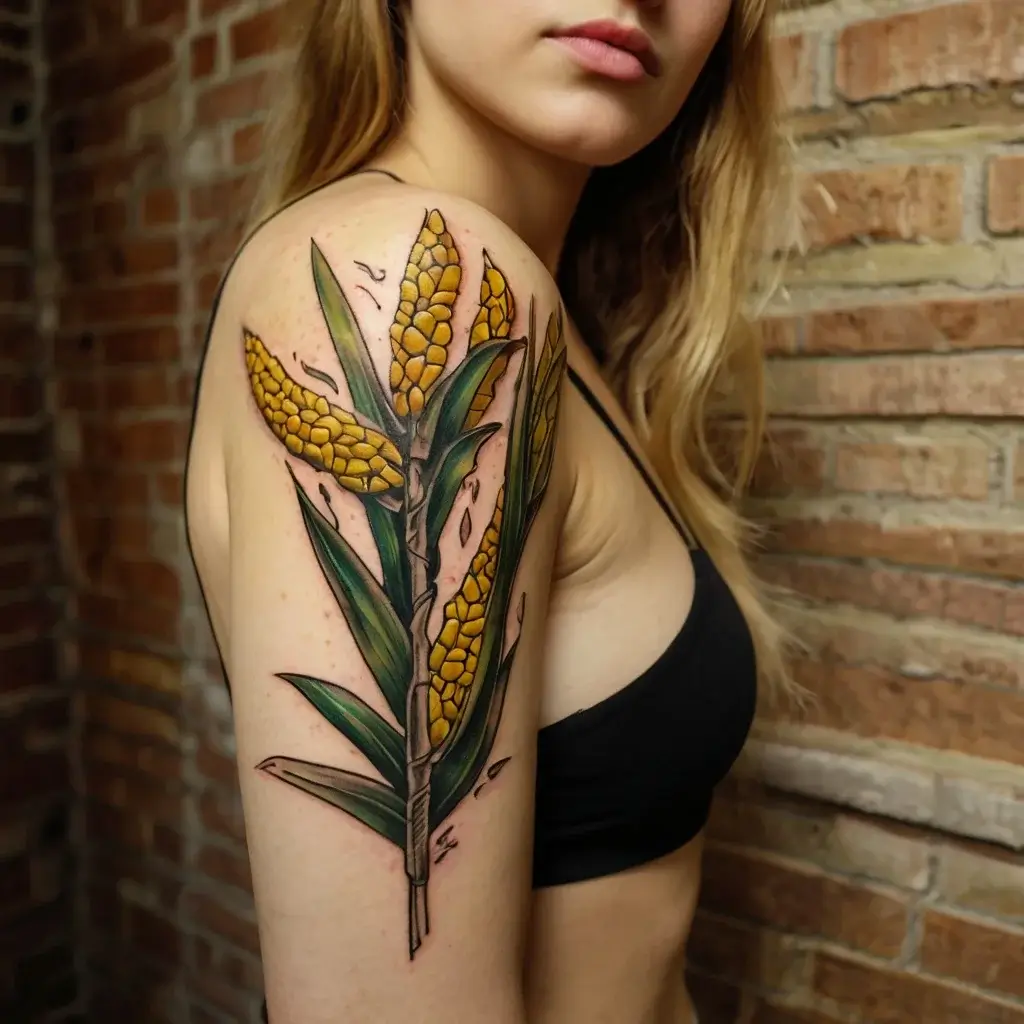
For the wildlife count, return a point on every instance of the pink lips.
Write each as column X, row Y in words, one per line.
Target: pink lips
column 608, row 48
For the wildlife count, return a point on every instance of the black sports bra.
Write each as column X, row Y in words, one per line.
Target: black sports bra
column 630, row 779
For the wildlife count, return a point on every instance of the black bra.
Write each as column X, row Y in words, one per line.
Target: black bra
column 630, row 779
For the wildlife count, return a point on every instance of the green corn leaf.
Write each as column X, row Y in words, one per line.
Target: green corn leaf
column 380, row 743
column 389, row 539
column 454, row 466
column 368, row 397
column 367, row 800
column 460, row 766
column 382, row 639
column 449, row 402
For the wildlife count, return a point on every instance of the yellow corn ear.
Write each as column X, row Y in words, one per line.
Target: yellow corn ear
column 454, row 655
column 493, row 320
column 359, row 458
column 422, row 326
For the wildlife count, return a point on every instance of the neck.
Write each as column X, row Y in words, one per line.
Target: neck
column 446, row 145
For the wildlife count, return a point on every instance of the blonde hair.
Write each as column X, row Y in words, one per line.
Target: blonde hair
column 660, row 283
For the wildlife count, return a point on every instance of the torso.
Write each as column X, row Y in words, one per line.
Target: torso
column 608, row 950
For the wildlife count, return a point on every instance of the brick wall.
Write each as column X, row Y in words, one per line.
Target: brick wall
column 139, row 148
column 870, row 875
column 874, row 872
column 37, row 979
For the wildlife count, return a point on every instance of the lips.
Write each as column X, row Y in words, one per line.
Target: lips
column 616, row 36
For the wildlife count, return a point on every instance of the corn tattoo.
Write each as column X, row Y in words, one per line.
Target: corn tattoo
column 427, row 762
column 493, row 320
column 359, row 458
column 454, row 655
column 422, row 330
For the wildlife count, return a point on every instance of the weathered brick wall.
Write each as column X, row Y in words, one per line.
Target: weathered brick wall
column 37, row 971
column 891, row 886
column 883, row 886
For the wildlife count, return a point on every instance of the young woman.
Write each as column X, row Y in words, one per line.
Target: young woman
column 477, row 581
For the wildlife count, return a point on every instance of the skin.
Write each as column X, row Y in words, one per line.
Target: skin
column 505, row 157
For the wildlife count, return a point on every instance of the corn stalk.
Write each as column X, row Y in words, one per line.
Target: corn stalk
column 406, row 455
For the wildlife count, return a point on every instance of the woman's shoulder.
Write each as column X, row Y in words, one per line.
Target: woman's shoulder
column 368, row 227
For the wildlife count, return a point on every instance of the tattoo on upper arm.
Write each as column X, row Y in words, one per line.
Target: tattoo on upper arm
column 406, row 449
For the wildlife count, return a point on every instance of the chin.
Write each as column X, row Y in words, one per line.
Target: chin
column 594, row 131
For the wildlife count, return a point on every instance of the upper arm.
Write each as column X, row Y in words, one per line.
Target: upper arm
column 391, row 551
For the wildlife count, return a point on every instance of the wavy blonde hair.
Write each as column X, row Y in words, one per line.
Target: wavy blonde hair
column 660, row 283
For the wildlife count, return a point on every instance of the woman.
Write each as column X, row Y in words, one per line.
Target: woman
column 484, row 682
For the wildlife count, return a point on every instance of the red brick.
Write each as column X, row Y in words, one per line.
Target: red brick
column 204, row 55
column 229, row 922
column 956, row 44
column 142, row 387
column 16, row 285
column 208, row 8
column 98, row 307
column 156, row 759
column 792, row 461
column 100, row 534
column 784, row 895
column 919, row 468
column 159, row 345
column 130, row 667
column 902, row 593
column 64, row 31
column 247, row 144
column 159, row 206
column 227, row 866
column 161, row 12
column 884, row 203
column 974, row 385
column 241, row 97
column 257, row 35
column 27, row 665
column 796, row 64
column 15, row 74
column 34, row 615
column 216, row 766
column 984, row 552
column 221, row 813
column 30, row 775
column 208, row 202
column 889, row 997
column 15, row 225
column 938, row 713
column 157, row 581
column 153, row 798
column 780, row 335
column 143, row 442
column 16, row 165
column 30, row 528
column 21, row 396
column 206, row 290
column 1005, row 210
column 974, row 951
column 93, row 75
column 926, row 327
column 78, row 132
column 142, row 620
column 122, row 716
column 155, row 935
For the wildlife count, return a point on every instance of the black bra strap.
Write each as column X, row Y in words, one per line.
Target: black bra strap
column 655, row 490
